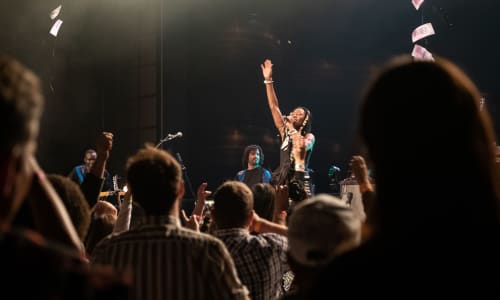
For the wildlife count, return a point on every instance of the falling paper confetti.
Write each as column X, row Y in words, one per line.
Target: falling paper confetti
column 422, row 31
column 417, row 3
column 55, row 28
column 420, row 53
column 55, row 12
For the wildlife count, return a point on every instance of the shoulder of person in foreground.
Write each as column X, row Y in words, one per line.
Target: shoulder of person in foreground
column 35, row 267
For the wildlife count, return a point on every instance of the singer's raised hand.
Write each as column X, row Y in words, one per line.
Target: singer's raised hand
column 267, row 69
column 272, row 99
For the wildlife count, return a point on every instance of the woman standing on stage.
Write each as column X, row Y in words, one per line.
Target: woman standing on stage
column 297, row 122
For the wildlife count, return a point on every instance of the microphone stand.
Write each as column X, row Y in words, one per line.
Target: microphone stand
column 165, row 139
column 184, row 171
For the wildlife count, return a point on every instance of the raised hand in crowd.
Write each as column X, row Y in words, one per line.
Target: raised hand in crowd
column 104, row 146
column 201, row 199
column 261, row 225
column 281, row 205
column 360, row 172
column 124, row 214
column 95, row 179
column 193, row 222
column 367, row 190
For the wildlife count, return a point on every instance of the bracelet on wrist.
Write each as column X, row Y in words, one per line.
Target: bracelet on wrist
column 300, row 167
column 270, row 81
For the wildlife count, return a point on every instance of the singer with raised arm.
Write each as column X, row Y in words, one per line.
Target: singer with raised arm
column 297, row 122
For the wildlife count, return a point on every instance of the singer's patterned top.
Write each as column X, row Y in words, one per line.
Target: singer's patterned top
column 285, row 171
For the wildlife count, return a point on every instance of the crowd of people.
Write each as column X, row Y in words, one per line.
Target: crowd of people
column 267, row 235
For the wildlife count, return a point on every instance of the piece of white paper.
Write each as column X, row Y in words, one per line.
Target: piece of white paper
column 422, row 31
column 55, row 28
column 55, row 12
column 417, row 3
column 420, row 53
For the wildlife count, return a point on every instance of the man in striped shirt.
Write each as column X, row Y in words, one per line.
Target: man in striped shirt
column 165, row 260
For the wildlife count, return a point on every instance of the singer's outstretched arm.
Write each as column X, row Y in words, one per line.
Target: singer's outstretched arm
column 272, row 99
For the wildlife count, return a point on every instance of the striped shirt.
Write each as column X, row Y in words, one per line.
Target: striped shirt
column 167, row 261
column 260, row 260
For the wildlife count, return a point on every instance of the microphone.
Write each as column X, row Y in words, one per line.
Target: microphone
column 334, row 170
column 174, row 136
column 169, row 137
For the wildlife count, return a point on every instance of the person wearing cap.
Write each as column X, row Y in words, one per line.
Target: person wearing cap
column 320, row 228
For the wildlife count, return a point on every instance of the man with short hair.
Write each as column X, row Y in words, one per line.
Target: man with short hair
column 260, row 259
column 167, row 261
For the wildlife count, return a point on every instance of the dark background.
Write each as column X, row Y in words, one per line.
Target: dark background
column 142, row 69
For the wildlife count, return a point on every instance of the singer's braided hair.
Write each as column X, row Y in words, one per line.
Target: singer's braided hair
column 307, row 123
